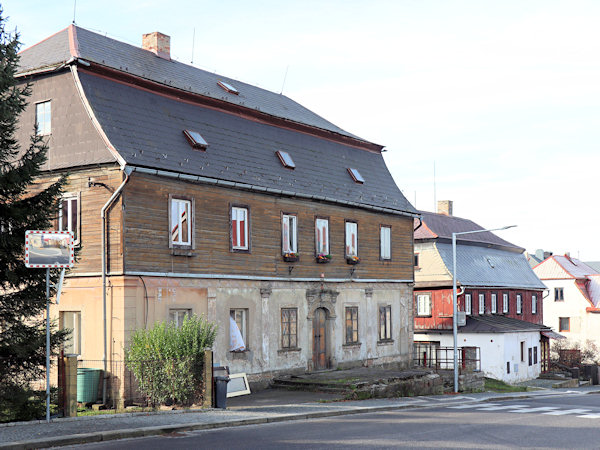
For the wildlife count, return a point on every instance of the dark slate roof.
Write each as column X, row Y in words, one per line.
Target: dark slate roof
column 442, row 226
column 474, row 264
column 78, row 42
column 147, row 131
column 499, row 324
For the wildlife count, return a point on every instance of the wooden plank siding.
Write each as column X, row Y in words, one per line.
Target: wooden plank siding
column 146, row 234
column 92, row 200
column 441, row 307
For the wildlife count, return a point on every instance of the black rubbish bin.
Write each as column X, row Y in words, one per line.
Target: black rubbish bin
column 221, row 392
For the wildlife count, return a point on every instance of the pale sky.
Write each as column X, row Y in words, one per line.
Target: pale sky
column 502, row 97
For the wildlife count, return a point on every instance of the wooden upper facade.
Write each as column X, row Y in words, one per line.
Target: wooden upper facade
column 109, row 127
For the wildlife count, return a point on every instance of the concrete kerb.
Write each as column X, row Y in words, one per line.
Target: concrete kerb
column 168, row 429
column 101, row 436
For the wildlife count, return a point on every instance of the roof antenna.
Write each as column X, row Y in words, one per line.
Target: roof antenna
column 284, row 78
column 434, row 190
column 74, row 10
column 193, row 42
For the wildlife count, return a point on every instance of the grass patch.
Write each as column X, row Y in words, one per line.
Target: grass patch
column 494, row 385
column 82, row 412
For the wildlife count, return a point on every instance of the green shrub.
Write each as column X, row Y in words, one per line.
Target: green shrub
column 168, row 362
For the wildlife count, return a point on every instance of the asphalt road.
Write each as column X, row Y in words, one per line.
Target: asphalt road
column 555, row 421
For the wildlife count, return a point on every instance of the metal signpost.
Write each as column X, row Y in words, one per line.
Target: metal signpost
column 455, row 297
column 49, row 250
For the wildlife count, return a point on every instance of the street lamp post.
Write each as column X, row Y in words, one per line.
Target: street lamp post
column 455, row 297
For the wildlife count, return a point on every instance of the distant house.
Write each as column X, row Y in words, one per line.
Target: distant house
column 573, row 304
column 537, row 257
column 497, row 290
column 194, row 193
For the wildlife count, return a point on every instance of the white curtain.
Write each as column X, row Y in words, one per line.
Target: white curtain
column 236, row 342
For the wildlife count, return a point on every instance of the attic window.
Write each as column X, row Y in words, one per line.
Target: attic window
column 286, row 159
column 489, row 261
column 229, row 88
column 195, row 139
column 356, row 176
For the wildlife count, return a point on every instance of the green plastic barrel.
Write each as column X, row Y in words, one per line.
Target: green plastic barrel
column 87, row 384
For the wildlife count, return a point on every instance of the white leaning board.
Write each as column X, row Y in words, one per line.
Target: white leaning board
column 238, row 385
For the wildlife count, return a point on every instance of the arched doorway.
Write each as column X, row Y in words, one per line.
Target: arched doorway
column 320, row 338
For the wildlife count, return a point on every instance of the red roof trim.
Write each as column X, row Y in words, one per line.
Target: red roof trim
column 73, row 43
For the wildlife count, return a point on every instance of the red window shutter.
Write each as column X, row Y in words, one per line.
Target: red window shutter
column 234, row 237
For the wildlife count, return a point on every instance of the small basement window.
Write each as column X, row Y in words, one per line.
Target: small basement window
column 356, row 176
column 285, row 159
column 195, row 139
column 227, row 87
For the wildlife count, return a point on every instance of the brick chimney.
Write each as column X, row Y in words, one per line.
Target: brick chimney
column 157, row 43
column 445, row 207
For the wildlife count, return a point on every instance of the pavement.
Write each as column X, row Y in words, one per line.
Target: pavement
column 271, row 405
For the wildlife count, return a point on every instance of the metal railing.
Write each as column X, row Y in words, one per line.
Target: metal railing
column 434, row 357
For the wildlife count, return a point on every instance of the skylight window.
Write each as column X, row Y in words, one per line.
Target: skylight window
column 356, row 176
column 195, row 139
column 286, row 159
column 229, row 88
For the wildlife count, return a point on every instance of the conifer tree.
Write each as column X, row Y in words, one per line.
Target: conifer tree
column 25, row 204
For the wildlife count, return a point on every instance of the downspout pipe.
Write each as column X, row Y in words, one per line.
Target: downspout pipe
column 110, row 201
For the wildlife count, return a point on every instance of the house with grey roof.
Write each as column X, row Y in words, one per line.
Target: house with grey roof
column 194, row 193
column 499, row 296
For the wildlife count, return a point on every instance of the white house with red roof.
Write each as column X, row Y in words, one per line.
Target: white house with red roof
column 572, row 306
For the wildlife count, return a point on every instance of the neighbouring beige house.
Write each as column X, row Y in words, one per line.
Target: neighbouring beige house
column 572, row 306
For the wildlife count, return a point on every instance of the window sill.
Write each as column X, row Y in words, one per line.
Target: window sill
column 385, row 342
column 237, row 352
column 287, row 350
column 182, row 252
column 425, row 316
column 352, row 345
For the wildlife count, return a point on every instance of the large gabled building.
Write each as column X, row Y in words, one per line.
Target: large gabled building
column 190, row 192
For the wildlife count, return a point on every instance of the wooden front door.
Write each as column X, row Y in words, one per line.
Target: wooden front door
column 545, row 356
column 320, row 359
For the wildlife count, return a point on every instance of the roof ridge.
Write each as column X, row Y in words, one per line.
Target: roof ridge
column 73, row 43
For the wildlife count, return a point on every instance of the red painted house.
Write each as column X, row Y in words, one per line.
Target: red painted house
column 497, row 290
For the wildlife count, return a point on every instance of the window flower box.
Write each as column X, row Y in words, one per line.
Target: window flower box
column 291, row 257
column 352, row 260
column 322, row 258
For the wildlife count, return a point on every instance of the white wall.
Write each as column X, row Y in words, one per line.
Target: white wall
column 496, row 350
column 583, row 325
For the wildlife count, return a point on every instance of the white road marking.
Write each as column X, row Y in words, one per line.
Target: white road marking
column 497, row 408
column 530, row 410
column 566, row 411
column 471, row 406
column 590, row 416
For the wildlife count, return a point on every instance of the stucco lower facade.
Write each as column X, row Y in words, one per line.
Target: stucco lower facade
column 135, row 302
column 500, row 353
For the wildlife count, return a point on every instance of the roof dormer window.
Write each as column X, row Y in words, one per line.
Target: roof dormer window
column 227, row 87
column 356, row 176
column 285, row 159
column 195, row 139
